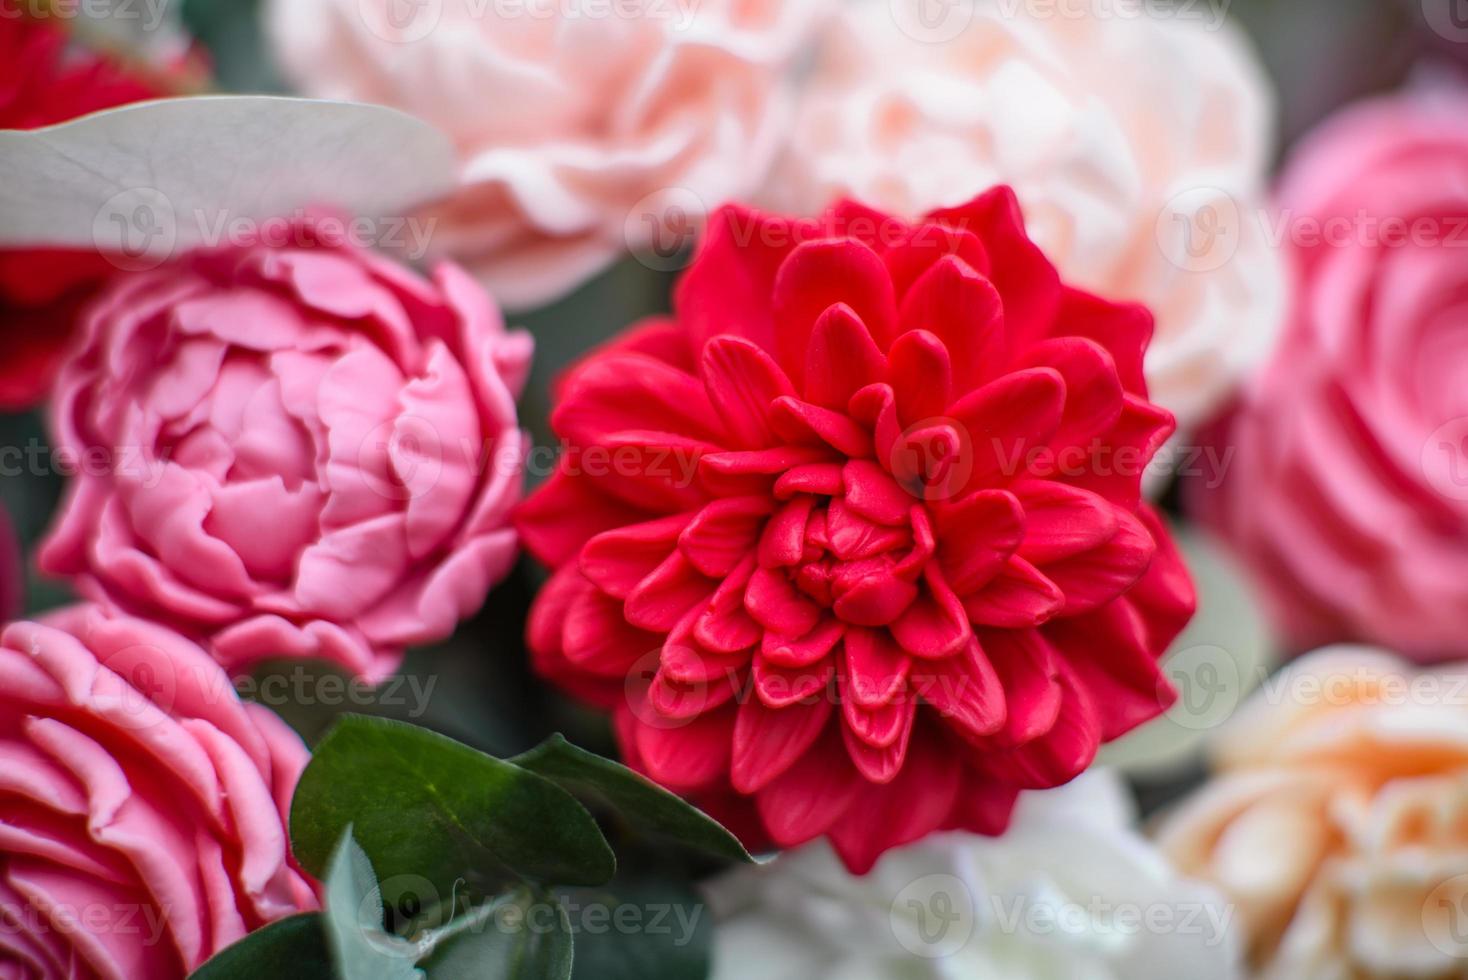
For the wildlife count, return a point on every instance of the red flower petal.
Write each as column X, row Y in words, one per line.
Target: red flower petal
column 891, row 723
column 560, row 517
column 618, row 560
column 633, row 392
column 1124, row 329
column 876, row 667
column 818, row 275
column 912, row 806
column 596, row 638
column 978, row 535
column 1019, row 597
column 783, row 541
column 963, row 310
column 743, row 381
column 730, row 283
column 1062, row 520
column 1093, row 578
column 725, row 626
column 1028, row 669
column 777, row 605
column 812, row 794
column 1092, row 388
column 722, row 534
column 921, row 375
column 935, row 625
column 924, row 245
column 1025, row 277
column 686, row 755
column 781, row 687
column 819, row 478
column 1063, row 752
column 667, row 594
column 965, row 691
column 801, row 422
column 801, row 651
column 840, row 358
column 872, row 493
column 768, row 741
column 883, row 726
column 1007, row 418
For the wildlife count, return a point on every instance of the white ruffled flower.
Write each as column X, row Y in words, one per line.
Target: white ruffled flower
column 1071, row 891
column 1138, row 146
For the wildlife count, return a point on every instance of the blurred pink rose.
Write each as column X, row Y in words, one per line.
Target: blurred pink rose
column 1138, row 146
column 303, row 451
column 584, row 127
column 1348, row 488
column 145, row 806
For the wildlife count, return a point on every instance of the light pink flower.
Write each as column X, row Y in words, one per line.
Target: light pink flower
column 583, row 126
column 303, row 451
column 1348, row 490
column 145, row 806
column 1137, row 145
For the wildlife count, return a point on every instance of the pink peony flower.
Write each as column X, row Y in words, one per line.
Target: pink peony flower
column 1130, row 139
column 303, row 451
column 853, row 546
column 1348, row 488
column 144, row 805
column 583, row 127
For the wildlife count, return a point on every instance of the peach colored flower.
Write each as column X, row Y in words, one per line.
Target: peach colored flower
column 1337, row 820
column 1137, row 146
column 144, row 806
column 584, row 126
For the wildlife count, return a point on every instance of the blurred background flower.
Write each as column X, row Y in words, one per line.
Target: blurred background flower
column 584, row 128
column 1347, row 495
column 1337, row 820
column 1137, row 144
column 50, row 76
column 1061, row 894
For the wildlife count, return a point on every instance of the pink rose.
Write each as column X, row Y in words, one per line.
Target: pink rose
column 583, row 126
column 303, row 451
column 144, row 806
column 1347, row 492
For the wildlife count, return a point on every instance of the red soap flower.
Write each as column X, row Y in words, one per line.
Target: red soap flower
column 854, row 543
column 47, row 81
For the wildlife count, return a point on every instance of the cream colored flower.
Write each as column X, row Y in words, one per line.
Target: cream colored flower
column 1137, row 145
column 1337, row 820
column 1069, row 891
column 584, row 127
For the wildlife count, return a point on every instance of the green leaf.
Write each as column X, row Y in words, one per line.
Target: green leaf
column 524, row 938
column 647, row 806
column 650, row 928
column 438, row 815
column 289, row 949
column 363, row 951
